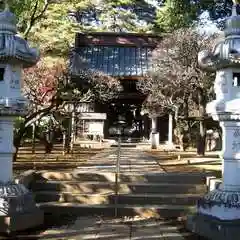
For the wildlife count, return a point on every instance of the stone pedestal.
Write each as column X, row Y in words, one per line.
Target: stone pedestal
column 170, row 131
column 18, row 210
column 224, row 203
column 154, row 134
column 155, row 140
column 213, row 228
column 6, row 148
column 218, row 212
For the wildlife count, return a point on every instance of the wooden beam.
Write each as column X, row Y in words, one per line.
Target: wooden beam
column 134, row 78
column 117, row 39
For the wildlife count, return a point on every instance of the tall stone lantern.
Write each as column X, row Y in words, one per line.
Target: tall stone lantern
column 17, row 207
column 218, row 212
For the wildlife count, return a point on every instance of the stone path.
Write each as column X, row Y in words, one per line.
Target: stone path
column 116, row 229
column 131, row 160
column 89, row 228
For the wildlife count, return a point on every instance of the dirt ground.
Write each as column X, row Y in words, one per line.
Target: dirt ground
column 186, row 161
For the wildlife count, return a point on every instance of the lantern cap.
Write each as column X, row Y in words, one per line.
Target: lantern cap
column 14, row 49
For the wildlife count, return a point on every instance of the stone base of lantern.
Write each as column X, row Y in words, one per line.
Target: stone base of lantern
column 155, row 140
column 218, row 216
column 18, row 210
column 213, row 228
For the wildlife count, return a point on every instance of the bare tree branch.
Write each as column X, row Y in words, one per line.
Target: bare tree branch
column 176, row 76
column 36, row 16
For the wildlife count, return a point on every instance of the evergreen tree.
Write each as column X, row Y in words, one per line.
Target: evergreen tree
column 52, row 24
column 119, row 15
column 175, row 14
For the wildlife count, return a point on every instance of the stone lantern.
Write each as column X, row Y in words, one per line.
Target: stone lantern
column 218, row 212
column 17, row 207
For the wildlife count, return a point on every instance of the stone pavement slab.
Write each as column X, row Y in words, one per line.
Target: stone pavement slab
column 114, row 229
column 131, row 160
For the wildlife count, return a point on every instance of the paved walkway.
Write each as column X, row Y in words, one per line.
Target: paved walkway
column 131, row 160
column 89, row 228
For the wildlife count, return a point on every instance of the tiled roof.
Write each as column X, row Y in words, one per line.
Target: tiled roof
column 116, row 61
column 115, row 54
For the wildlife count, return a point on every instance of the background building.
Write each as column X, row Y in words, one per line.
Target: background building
column 125, row 56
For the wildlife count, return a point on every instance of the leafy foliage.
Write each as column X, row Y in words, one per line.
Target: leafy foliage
column 176, row 83
column 118, row 16
column 50, row 86
column 220, row 10
column 29, row 12
column 175, row 14
column 48, row 89
column 176, row 79
column 56, row 32
column 52, row 24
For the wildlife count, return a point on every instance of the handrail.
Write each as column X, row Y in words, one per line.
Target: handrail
column 117, row 172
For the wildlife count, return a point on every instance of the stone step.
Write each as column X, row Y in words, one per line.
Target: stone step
column 112, row 233
column 123, row 169
column 89, row 228
column 155, row 199
column 124, row 234
column 109, row 187
column 148, row 235
column 56, row 209
column 157, row 177
column 130, row 199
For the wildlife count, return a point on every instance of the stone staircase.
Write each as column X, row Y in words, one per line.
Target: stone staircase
column 143, row 189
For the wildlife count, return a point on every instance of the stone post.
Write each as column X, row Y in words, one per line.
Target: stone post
column 170, row 130
column 154, row 124
column 154, row 134
column 73, row 129
column 218, row 212
column 17, row 208
column 6, row 148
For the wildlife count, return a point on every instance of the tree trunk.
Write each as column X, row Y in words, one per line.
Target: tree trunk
column 178, row 135
column 189, row 134
column 202, row 128
column 28, row 121
column 16, row 153
column 67, row 138
column 48, row 145
column 17, row 140
column 72, row 128
column 33, row 138
column 68, row 142
column 201, row 139
column 63, row 141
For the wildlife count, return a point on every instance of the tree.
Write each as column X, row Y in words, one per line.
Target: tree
column 29, row 12
column 220, row 10
column 125, row 16
column 52, row 24
column 56, row 32
column 176, row 82
column 47, row 88
column 175, row 14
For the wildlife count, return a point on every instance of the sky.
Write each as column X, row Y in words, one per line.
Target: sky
column 152, row 2
column 206, row 25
